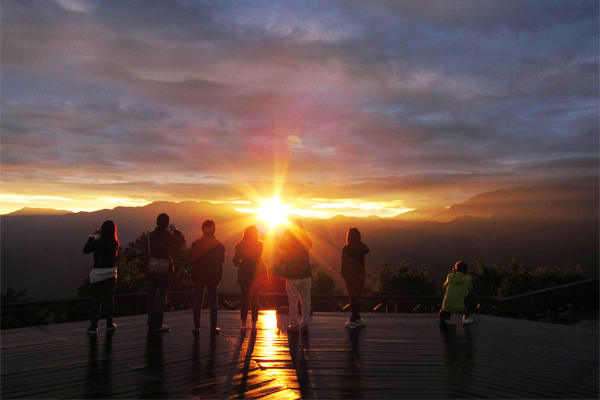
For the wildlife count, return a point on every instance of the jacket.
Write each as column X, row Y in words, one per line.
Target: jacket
column 104, row 251
column 162, row 244
column 248, row 259
column 208, row 255
column 457, row 286
column 353, row 261
column 296, row 247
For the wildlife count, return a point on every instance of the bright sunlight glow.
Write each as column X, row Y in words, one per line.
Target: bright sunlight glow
column 273, row 212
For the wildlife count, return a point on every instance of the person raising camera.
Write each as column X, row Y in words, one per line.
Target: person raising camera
column 104, row 244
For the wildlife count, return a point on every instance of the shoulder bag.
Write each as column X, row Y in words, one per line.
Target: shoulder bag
column 158, row 266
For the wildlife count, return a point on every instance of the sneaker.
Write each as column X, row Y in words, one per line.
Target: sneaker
column 467, row 320
column 351, row 324
column 92, row 331
column 111, row 328
column 163, row 328
column 360, row 322
column 292, row 328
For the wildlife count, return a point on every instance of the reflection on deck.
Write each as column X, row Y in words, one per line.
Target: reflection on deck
column 395, row 356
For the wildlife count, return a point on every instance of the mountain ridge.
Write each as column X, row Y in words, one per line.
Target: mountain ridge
column 43, row 253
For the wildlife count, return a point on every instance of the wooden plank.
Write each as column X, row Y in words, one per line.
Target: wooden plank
column 396, row 355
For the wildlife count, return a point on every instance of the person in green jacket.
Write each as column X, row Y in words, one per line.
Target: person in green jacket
column 459, row 295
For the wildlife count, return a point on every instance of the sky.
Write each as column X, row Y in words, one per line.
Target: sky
column 338, row 107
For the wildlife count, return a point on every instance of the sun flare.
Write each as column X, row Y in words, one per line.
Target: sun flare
column 273, row 212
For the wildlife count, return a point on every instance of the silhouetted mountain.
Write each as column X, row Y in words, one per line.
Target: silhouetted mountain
column 39, row 211
column 43, row 253
column 578, row 203
column 533, row 241
column 419, row 214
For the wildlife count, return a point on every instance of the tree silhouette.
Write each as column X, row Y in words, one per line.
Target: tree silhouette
column 14, row 296
column 322, row 281
column 404, row 279
column 497, row 281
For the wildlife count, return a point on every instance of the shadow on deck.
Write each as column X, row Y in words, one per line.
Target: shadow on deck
column 395, row 356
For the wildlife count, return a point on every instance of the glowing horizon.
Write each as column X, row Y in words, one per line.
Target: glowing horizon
column 11, row 203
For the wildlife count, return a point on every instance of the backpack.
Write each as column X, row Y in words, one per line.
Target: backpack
column 158, row 266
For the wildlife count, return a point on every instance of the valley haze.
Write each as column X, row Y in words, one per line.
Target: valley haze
column 539, row 226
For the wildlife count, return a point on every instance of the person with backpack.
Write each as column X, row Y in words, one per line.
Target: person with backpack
column 164, row 240
column 104, row 243
column 208, row 255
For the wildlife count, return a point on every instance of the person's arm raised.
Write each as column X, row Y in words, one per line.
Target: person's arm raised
column 89, row 245
column 177, row 241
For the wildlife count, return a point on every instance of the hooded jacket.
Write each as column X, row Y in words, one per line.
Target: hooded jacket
column 457, row 286
column 208, row 255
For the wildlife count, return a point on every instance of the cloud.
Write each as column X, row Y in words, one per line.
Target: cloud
column 439, row 97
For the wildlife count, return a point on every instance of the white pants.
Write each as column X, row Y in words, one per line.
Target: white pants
column 294, row 288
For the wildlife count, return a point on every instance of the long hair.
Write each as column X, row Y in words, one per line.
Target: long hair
column 353, row 236
column 108, row 232
column 250, row 234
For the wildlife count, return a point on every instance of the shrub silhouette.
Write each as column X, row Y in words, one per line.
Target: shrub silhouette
column 404, row 279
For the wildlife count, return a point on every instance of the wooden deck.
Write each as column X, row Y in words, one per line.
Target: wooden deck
column 395, row 356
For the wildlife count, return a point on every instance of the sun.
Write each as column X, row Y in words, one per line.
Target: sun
column 273, row 212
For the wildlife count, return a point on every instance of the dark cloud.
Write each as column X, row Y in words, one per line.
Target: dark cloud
column 438, row 95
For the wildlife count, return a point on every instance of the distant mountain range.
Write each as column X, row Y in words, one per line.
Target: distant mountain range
column 39, row 211
column 547, row 225
column 558, row 202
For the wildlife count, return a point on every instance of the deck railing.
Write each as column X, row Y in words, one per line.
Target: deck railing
column 533, row 305
column 543, row 303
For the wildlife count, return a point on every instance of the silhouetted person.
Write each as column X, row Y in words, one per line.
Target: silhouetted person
column 296, row 244
column 353, row 272
column 105, row 246
column 208, row 255
column 459, row 295
column 252, row 272
column 164, row 240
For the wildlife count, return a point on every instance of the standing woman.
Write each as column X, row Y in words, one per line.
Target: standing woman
column 353, row 272
column 105, row 246
column 252, row 272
